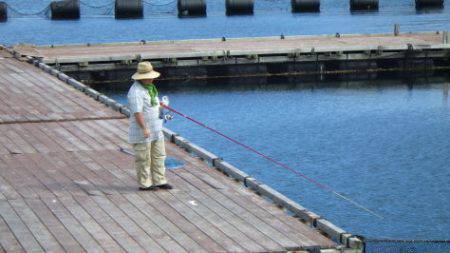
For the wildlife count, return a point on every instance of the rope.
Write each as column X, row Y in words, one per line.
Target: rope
column 405, row 240
column 280, row 164
column 39, row 13
column 97, row 6
column 162, row 4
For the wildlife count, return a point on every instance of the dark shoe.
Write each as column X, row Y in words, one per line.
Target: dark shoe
column 150, row 188
column 165, row 186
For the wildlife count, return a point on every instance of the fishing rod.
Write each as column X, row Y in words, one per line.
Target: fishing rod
column 280, row 164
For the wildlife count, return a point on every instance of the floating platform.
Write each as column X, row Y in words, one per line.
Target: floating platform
column 284, row 55
column 67, row 184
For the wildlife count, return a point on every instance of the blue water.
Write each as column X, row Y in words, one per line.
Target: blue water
column 383, row 143
column 271, row 18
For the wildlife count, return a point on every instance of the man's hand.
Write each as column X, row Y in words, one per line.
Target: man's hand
column 146, row 132
column 140, row 120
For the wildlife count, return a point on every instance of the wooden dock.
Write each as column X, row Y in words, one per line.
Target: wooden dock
column 65, row 184
column 265, row 56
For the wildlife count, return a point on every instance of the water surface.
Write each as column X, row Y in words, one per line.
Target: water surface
column 384, row 143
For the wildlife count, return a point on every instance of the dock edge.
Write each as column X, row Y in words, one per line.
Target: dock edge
column 349, row 243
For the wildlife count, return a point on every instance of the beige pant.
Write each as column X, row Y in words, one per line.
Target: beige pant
column 149, row 163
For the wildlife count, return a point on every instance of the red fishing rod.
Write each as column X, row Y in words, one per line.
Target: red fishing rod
column 272, row 160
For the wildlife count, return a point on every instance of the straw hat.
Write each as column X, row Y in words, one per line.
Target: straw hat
column 145, row 71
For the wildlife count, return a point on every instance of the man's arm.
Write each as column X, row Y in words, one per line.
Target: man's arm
column 136, row 104
column 140, row 120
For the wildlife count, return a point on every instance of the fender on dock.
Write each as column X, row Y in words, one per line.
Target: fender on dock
column 127, row 9
column 3, row 12
column 191, row 8
column 237, row 7
column 429, row 3
column 363, row 5
column 66, row 9
column 305, row 5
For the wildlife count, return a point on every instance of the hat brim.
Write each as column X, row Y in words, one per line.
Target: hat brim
column 150, row 75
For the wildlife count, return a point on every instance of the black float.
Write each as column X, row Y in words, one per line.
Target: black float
column 363, row 5
column 127, row 9
column 429, row 3
column 3, row 12
column 305, row 5
column 66, row 9
column 191, row 8
column 239, row 7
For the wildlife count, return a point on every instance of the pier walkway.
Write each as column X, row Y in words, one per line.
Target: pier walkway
column 65, row 184
column 265, row 56
column 231, row 47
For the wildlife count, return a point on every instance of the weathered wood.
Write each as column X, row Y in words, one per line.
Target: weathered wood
column 66, row 186
column 39, row 231
column 20, row 230
column 217, row 47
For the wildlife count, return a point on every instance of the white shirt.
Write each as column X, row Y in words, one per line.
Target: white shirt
column 139, row 101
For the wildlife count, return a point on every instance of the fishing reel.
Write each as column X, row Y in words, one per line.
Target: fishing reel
column 163, row 113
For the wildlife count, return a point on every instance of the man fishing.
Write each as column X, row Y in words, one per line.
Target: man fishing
column 145, row 132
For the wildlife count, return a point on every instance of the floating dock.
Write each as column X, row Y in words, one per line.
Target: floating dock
column 67, row 185
column 224, row 57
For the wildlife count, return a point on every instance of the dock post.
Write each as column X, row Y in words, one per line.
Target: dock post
column 445, row 37
column 396, row 29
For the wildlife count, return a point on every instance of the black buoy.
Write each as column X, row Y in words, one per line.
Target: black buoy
column 363, row 5
column 66, row 9
column 305, row 5
column 237, row 7
column 191, row 8
column 429, row 3
column 129, row 9
column 3, row 12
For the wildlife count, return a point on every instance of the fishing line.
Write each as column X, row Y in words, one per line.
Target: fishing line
column 280, row 164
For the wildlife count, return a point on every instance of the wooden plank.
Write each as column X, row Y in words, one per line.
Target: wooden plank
column 131, row 227
column 7, row 239
column 95, row 134
column 69, row 167
column 63, row 133
column 252, row 199
column 87, row 169
column 91, row 226
column 39, row 181
column 163, row 239
column 298, row 232
column 184, row 224
column 242, row 46
column 21, row 183
column 109, row 224
column 237, row 221
column 222, row 222
column 7, row 143
column 27, row 135
column 73, row 226
column 20, row 230
column 165, row 224
column 74, row 128
column 201, row 222
column 259, row 224
column 54, row 225
column 107, row 160
column 6, row 189
column 48, row 131
column 56, row 181
column 23, row 146
column 40, row 232
column 45, row 144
